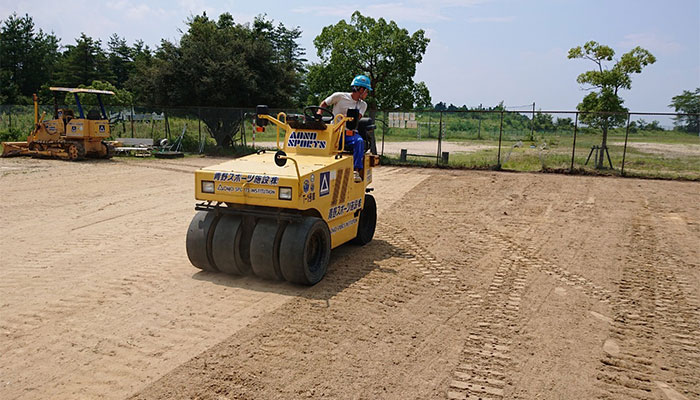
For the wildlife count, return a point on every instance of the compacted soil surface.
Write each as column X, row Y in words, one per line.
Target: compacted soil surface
column 477, row 285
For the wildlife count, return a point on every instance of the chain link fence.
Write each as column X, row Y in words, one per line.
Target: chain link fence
column 640, row 145
column 561, row 141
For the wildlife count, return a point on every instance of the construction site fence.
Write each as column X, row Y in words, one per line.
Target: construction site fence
column 651, row 144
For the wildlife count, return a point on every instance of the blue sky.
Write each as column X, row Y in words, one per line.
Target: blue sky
column 481, row 51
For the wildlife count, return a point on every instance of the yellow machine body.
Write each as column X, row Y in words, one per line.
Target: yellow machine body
column 319, row 176
column 64, row 137
column 279, row 214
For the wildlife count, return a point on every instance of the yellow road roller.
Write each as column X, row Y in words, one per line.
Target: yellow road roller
column 278, row 214
column 67, row 136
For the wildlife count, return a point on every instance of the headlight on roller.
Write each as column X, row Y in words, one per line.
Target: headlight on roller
column 285, row 193
column 207, row 186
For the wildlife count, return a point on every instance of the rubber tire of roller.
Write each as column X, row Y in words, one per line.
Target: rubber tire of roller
column 198, row 241
column 367, row 223
column 265, row 249
column 295, row 246
column 226, row 246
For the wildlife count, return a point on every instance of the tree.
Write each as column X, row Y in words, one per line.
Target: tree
column 543, row 122
column 119, row 57
column 140, row 75
column 27, row 58
column 602, row 108
column 687, row 103
column 565, row 123
column 219, row 63
column 121, row 97
column 643, row 125
column 82, row 63
column 377, row 48
column 421, row 96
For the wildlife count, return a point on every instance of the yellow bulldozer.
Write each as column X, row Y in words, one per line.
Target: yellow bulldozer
column 67, row 136
column 279, row 215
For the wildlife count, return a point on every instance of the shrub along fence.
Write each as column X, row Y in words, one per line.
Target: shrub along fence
column 636, row 144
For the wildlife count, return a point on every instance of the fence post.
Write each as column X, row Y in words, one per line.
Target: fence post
column 478, row 135
column 132, row 120
column 199, row 122
column 624, row 150
column 384, row 129
column 430, row 122
column 500, row 135
column 439, row 146
column 166, row 124
column 573, row 148
column 437, row 161
column 532, row 124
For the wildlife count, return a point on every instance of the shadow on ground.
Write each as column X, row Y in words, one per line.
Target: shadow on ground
column 348, row 264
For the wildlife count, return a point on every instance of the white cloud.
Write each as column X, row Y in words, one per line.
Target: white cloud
column 324, row 11
column 491, row 19
column 430, row 33
column 401, row 12
column 141, row 12
column 651, row 42
column 458, row 3
column 410, row 11
column 118, row 5
column 196, row 7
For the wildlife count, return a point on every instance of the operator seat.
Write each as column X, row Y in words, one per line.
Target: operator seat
column 94, row 114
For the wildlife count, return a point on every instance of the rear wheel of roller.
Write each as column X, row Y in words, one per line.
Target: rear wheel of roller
column 265, row 249
column 199, row 239
column 227, row 245
column 305, row 251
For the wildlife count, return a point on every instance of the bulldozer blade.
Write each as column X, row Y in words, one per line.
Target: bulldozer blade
column 11, row 149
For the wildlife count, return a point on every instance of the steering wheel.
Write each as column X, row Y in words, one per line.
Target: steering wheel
column 310, row 112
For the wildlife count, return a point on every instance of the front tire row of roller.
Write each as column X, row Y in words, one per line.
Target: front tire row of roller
column 297, row 252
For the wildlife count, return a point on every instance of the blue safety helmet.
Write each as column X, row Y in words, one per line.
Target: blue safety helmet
column 362, row 81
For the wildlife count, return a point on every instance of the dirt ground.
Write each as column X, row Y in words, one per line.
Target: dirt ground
column 677, row 149
column 478, row 285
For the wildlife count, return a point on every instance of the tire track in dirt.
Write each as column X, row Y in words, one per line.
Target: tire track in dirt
column 484, row 370
column 485, row 358
column 656, row 326
column 577, row 281
column 408, row 279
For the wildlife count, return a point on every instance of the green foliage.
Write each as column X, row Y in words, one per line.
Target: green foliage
column 544, row 122
column 688, row 103
column 82, row 63
column 120, row 59
column 122, row 97
column 222, row 64
column 27, row 59
column 602, row 108
column 642, row 125
column 382, row 50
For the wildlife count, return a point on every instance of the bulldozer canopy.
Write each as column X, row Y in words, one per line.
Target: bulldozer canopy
column 79, row 90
